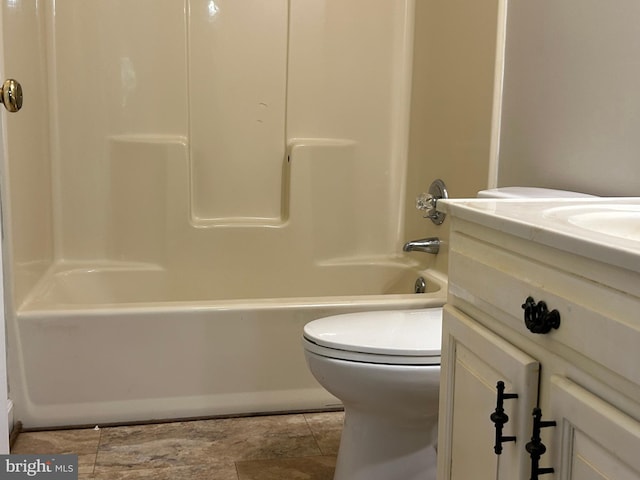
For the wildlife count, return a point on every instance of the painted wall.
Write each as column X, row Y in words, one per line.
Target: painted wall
column 451, row 108
column 571, row 107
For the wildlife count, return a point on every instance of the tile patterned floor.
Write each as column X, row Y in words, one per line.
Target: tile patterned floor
column 293, row 447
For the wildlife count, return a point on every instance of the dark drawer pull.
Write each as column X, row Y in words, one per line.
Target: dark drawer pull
column 538, row 318
column 499, row 417
column 535, row 447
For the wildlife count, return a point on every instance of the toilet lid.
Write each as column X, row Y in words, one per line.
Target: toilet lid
column 407, row 333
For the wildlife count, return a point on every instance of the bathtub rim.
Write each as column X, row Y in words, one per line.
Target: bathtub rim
column 385, row 301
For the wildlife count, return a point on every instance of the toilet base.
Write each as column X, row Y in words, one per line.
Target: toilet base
column 374, row 449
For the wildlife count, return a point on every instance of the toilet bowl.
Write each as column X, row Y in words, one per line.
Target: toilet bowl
column 385, row 368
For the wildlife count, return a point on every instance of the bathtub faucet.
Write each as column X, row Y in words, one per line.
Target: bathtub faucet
column 426, row 245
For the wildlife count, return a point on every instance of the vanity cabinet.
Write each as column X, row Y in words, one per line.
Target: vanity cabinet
column 581, row 379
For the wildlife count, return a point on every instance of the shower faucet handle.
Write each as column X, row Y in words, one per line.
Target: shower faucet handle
column 427, row 202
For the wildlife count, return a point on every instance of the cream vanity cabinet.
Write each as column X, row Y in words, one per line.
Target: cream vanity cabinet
column 579, row 373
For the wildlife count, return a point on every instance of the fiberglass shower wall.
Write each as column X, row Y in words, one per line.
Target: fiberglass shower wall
column 192, row 121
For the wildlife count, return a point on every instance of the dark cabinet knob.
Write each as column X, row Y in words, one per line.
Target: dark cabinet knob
column 538, row 318
column 499, row 417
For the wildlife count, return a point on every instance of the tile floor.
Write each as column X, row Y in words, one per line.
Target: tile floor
column 282, row 447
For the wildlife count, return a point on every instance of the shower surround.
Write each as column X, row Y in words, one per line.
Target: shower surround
column 190, row 183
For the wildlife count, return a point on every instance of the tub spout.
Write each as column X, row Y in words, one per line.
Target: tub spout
column 426, row 245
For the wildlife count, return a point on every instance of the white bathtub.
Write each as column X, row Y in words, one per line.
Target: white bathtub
column 110, row 344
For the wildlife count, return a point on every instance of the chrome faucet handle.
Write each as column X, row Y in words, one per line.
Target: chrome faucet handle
column 427, row 202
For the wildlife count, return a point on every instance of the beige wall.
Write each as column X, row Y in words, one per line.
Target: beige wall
column 450, row 134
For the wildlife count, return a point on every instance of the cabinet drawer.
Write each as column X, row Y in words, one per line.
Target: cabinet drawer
column 598, row 322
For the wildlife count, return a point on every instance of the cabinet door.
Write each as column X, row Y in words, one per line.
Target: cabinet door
column 592, row 439
column 473, row 361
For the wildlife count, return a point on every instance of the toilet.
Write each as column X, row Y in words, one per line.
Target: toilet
column 385, row 366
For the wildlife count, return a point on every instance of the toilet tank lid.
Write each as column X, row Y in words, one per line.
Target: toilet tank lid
column 394, row 332
column 529, row 192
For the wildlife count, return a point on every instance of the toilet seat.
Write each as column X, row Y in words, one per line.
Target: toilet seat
column 405, row 337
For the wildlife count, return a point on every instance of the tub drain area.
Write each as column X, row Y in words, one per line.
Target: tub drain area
column 420, row 286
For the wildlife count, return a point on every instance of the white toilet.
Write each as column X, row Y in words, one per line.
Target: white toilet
column 385, row 368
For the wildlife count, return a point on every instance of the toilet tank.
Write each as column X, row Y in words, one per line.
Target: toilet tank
column 528, row 192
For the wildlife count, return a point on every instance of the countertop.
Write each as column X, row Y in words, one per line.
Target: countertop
column 606, row 229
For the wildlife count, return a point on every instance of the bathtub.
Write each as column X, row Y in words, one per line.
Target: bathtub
column 111, row 344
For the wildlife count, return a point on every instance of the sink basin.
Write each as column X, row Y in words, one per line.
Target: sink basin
column 617, row 220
